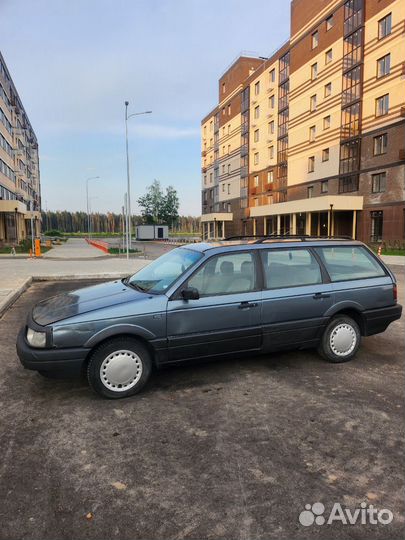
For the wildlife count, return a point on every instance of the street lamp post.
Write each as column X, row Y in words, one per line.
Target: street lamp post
column 87, row 199
column 128, row 207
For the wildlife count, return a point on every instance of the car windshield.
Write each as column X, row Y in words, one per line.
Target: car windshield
column 159, row 275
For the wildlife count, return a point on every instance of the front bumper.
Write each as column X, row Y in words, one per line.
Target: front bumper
column 377, row 320
column 67, row 361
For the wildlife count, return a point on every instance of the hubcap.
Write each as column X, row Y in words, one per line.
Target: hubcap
column 343, row 339
column 121, row 370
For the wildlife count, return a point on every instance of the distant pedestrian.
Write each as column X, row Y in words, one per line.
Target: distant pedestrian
column 13, row 252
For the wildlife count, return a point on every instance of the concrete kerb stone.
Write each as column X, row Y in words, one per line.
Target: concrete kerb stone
column 13, row 297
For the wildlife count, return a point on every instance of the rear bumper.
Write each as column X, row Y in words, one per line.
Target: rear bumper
column 377, row 320
column 67, row 361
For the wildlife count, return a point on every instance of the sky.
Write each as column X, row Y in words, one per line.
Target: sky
column 75, row 62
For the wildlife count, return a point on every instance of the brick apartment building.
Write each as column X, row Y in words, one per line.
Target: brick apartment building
column 312, row 140
column 20, row 200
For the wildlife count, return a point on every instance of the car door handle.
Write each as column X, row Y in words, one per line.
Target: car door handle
column 319, row 296
column 247, row 305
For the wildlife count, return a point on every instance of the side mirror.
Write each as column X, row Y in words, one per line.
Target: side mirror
column 190, row 293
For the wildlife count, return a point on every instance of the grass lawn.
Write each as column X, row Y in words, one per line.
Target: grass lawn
column 117, row 251
column 20, row 249
column 390, row 251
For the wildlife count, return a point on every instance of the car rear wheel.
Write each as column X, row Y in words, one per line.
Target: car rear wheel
column 341, row 340
column 119, row 367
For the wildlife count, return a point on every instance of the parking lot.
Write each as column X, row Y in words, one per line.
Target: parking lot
column 228, row 449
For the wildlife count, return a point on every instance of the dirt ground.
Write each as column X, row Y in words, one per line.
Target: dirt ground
column 230, row 449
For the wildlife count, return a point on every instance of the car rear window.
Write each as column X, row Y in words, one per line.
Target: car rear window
column 290, row 268
column 349, row 262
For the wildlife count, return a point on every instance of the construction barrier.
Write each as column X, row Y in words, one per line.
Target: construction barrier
column 99, row 244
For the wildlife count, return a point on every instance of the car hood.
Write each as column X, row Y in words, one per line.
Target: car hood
column 84, row 300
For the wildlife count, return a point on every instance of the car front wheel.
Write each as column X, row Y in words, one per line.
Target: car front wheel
column 341, row 340
column 119, row 367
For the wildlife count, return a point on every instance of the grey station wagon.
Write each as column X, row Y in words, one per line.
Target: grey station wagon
column 213, row 300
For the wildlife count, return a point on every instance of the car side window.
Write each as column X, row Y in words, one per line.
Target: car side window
column 225, row 274
column 349, row 262
column 290, row 268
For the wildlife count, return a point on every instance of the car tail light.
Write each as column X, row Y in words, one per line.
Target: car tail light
column 395, row 292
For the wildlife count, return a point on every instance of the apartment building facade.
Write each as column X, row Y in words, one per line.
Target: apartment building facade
column 20, row 192
column 322, row 128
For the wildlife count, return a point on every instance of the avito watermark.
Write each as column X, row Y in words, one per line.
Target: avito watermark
column 315, row 514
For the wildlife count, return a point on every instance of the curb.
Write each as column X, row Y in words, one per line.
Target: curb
column 15, row 295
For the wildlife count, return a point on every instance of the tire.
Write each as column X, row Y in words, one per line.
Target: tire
column 341, row 340
column 119, row 367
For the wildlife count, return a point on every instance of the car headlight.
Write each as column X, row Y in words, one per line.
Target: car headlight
column 36, row 339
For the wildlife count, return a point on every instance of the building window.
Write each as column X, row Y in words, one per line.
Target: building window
column 311, row 164
column 205, row 179
column 380, row 144
column 272, row 75
column 314, row 71
column 382, row 105
column 223, row 150
column 315, row 40
column 324, row 186
column 229, row 129
column 327, row 90
column 326, row 122
column 310, row 192
column 328, row 56
column 256, row 135
column 378, row 182
column 385, row 26
column 223, row 188
column 257, row 88
column 229, row 189
column 329, row 23
column 229, row 109
column 255, row 201
column 256, row 180
column 347, row 184
column 271, row 102
column 376, row 226
column 312, row 133
column 211, row 178
column 270, row 177
column 229, row 168
column 205, row 196
column 223, row 111
column 270, row 199
column 229, row 149
column 325, row 154
column 257, row 112
column 223, row 169
column 383, row 65
column 313, row 103
column 223, row 88
column 271, row 152
column 256, row 158
column 271, row 127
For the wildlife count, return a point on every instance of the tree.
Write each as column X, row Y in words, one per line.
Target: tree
column 152, row 203
column 170, row 211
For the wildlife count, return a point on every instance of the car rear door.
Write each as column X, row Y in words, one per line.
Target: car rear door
column 296, row 296
column 226, row 317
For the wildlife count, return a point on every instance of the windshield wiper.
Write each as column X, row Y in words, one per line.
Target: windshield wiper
column 129, row 283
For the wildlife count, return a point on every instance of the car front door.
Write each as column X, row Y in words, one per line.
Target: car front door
column 296, row 297
column 226, row 316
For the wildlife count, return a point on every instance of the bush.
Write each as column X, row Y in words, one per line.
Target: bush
column 53, row 232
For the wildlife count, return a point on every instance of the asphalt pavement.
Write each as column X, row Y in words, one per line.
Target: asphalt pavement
column 229, row 449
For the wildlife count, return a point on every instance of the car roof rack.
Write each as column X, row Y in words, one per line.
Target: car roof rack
column 259, row 239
